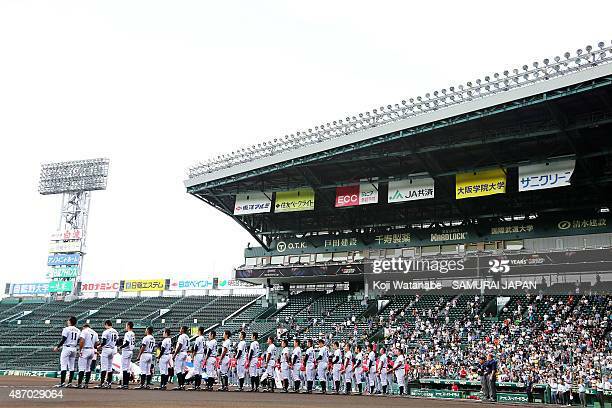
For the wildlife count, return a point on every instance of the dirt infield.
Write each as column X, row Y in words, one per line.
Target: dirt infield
column 136, row 399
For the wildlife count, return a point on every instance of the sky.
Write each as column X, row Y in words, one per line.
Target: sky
column 156, row 86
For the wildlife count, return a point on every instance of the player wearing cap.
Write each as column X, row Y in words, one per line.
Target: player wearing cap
column 322, row 364
column 165, row 357
column 399, row 369
column 336, row 366
column 88, row 341
column 270, row 364
column 199, row 347
column 145, row 358
column 68, row 345
column 309, row 363
column 127, row 350
column 241, row 359
column 285, row 364
column 383, row 365
column 296, row 364
column 180, row 357
column 359, row 369
column 252, row 358
column 224, row 364
column 211, row 360
column 371, row 364
column 107, row 352
column 347, row 369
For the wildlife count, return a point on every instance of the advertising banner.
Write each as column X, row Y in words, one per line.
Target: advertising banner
column 63, row 259
column 296, row 200
column 41, row 288
column 347, row 196
column 368, row 193
column 253, row 203
column 64, row 246
column 61, row 286
column 546, row 175
column 67, row 235
column 68, row 271
column 301, row 271
column 411, row 189
column 198, row 284
column 480, row 183
column 104, row 286
column 144, row 285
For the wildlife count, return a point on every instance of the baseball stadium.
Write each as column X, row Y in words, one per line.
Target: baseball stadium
column 449, row 249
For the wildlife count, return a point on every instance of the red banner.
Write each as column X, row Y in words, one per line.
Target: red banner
column 347, row 196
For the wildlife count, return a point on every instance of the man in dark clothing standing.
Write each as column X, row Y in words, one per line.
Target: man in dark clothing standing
column 491, row 377
column 484, row 385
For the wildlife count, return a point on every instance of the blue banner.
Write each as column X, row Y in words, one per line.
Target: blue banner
column 63, row 259
column 40, row 288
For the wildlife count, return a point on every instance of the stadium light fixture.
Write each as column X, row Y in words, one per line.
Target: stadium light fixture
column 582, row 59
column 73, row 176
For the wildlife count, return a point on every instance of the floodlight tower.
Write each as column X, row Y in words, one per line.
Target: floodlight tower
column 74, row 180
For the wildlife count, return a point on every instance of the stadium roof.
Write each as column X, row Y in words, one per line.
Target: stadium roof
column 551, row 110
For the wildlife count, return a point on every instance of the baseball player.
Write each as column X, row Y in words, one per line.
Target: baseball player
column 145, row 358
column 252, row 362
column 180, row 357
column 371, row 364
column 225, row 361
column 336, row 366
column 398, row 368
column 322, row 364
column 68, row 345
column 383, row 365
column 127, row 350
column 88, row 341
column 358, row 369
column 241, row 358
column 347, row 369
column 270, row 364
column 296, row 364
column 198, row 357
column 309, row 363
column 107, row 347
column 211, row 360
column 285, row 364
column 165, row 356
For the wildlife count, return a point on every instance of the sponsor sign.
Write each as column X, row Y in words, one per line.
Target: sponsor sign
column 144, row 285
column 68, row 271
column 518, row 398
column 61, row 286
column 41, row 288
column 67, row 235
column 296, row 200
column 546, row 175
column 480, row 183
column 63, row 259
column 410, row 190
column 347, row 196
column 105, row 286
column 301, row 271
column 198, row 284
column 368, row 193
column 64, row 246
column 253, row 203
column 427, row 393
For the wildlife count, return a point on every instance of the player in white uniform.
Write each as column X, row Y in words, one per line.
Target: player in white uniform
column 252, row 358
column 322, row 364
column 145, row 358
column 371, row 364
column 296, row 364
column 180, row 357
column 309, row 363
column 199, row 348
column 398, row 369
column 211, row 360
column 107, row 347
column 127, row 351
column 68, row 345
column 270, row 364
column 336, row 366
column 358, row 369
column 224, row 364
column 241, row 358
column 165, row 356
column 88, row 341
column 285, row 364
column 347, row 369
column 382, row 370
